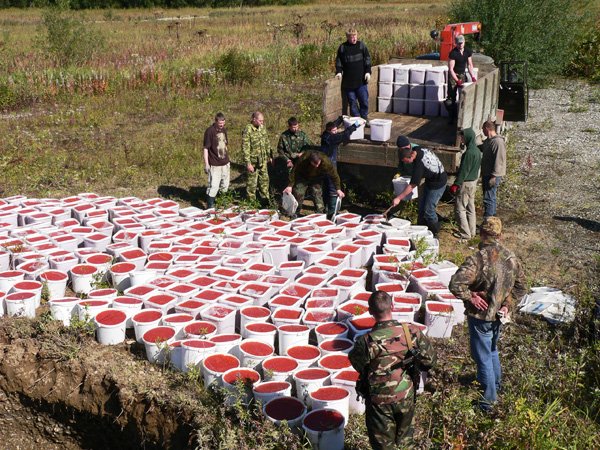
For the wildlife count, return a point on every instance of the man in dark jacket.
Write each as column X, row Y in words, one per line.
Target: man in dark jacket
column 353, row 67
column 489, row 283
column 426, row 166
column 493, row 167
column 310, row 172
column 388, row 359
column 465, row 185
column 332, row 138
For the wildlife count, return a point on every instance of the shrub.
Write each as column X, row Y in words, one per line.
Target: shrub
column 67, row 38
column 313, row 59
column 237, row 67
column 542, row 32
column 586, row 61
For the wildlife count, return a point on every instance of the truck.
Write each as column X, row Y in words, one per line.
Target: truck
column 372, row 164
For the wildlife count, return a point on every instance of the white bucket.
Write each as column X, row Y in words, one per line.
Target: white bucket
column 227, row 343
column 288, row 409
column 276, row 253
column 359, row 133
column 254, row 352
column 347, row 379
column 200, row 329
column 144, row 321
column 137, row 277
column 176, row 355
column 308, row 380
column 290, row 335
column 64, row 309
column 63, row 263
column 215, row 365
column 279, row 368
column 107, row 294
column 177, row 321
column 194, row 351
column 333, row 397
column 9, row 278
column 56, row 283
column 20, row 304
column 130, row 306
column 119, row 275
column 380, row 129
column 253, row 314
column 400, row 184
column 156, row 341
column 110, row 326
column 238, row 384
column 261, row 331
column 325, row 429
column 291, row 269
column 439, row 318
column 82, row 278
column 266, row 391
column 222, row 316
column 30, row 286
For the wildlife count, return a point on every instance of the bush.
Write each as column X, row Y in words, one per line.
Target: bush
column 586, row 62
column 67, row 38
column 313, row 59
column 237, row 67
column 542, row 32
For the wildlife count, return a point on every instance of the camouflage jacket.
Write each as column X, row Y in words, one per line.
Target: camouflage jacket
column 256, row 147
column 493, row 270
column 375, row 354
column 291, row 145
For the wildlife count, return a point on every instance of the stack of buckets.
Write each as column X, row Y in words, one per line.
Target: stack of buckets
column 267, row 309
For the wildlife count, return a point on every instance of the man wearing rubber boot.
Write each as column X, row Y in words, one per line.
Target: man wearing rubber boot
column 489, row 283
column 389, row 359
column 310, row 172
column 426, row 166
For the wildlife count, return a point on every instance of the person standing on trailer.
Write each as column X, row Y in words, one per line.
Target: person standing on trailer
column 460, row 70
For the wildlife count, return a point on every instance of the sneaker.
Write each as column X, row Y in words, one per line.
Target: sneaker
column 457, row 235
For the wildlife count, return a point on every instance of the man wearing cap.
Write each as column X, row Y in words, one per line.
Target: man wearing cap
column 427, row 166
column 460, row 64
column 489, row 283
column 353, row 67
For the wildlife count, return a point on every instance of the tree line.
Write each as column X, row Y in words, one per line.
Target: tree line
column 104, row 4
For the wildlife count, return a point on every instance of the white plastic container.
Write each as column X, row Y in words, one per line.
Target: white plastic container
column 194, row 351
column 291, row 335
column 266, row 391
column 215, row 365
column 331, row 330
column 381, row 129
column 63, row 309
column 384, row 104
column 144, row 321
column 306, row 355
column 347, row 379
column 9, row 278
column 439, row 318
column 247, row 378
column 288, row 409
column 83, row 277
column 130, row 306
column 359, row 133
column 333, row 397
column 156, row 342
column 279, row 368
column 20, row 304
column 325, row 429
column 308, row 380
column 253, row 352
column 110, row 326
column 56, row 283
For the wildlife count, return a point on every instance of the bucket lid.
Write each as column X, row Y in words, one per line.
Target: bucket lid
column 261, row 327
column 157, row 334
column 332, row 328
column 220, row 362
column 244, row 375
column 282, row 364
column 200, row 328
column 335, row 362
column 256, row 348
column 336, row 345
column 329, row 393
column 111, row 317
column 312, row 374
column 271, row 387
column 150, row 315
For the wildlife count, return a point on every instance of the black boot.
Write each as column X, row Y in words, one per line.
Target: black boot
column 210, row 202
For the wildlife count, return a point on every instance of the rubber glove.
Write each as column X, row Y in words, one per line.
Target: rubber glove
column 338, row 76
column 454, row 189
column 367, row 77
column 474, row 79
column 459, row 82
column 356, row 123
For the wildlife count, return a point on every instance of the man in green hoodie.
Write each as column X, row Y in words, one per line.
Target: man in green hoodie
column 465, row 185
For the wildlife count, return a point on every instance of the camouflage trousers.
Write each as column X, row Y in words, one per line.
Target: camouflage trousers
column 390, row 426
column 316, row 189
column 259, row 179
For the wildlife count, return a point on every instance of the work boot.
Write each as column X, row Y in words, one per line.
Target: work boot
column 210, row 202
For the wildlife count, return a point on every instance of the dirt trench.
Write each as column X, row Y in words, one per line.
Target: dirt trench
column 61, row 391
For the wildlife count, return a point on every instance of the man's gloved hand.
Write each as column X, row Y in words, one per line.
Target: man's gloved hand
column 356, row 123
column 492, row 181
column 474, row 79
column 459, row 82
column 454, row 189
column 367, row 77
column 338, row 76
column 206, row 170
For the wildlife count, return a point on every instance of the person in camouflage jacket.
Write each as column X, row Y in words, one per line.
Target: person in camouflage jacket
column 489, row 282
column 292, row 143
column 257, row 152
column 386, row 362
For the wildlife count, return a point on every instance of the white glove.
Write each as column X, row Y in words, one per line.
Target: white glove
column 367, row 77
column 338, row 76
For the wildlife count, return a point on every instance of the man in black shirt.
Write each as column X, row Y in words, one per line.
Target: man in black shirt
column 353, row 67
column 460, row 64
column 216, row 159
column 425, row 166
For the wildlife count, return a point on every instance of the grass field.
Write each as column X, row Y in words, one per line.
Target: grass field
column 132, row 117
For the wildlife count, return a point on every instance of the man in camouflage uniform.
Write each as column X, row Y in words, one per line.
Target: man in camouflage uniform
column 292, row 143
column 257, row 152
column 488, row 283
column 385, row 360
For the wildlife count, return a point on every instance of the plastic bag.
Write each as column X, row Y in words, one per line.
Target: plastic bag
column 289, row 204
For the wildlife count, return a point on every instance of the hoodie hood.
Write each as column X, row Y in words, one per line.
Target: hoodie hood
column 470, row 139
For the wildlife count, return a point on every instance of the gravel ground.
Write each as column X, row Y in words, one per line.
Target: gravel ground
column 552, row 196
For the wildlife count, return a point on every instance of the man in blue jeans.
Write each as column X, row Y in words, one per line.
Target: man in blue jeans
column 489, row 282
column 426, row 166
column 493, row 167
column 353, row 67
